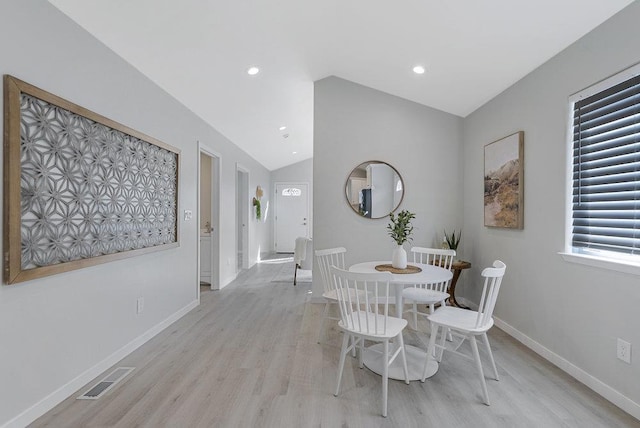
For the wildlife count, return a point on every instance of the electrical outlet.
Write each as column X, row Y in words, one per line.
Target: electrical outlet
column 188, row 215
column 624, row 351
column 140, row 305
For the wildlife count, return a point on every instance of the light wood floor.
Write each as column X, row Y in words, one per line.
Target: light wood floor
column 248, row 357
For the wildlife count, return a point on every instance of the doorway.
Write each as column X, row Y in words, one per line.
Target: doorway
column 242, row 218
column 291, row 216
column 209, row 180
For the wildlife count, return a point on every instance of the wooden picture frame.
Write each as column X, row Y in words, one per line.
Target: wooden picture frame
column 80, row 189
column 504, row 182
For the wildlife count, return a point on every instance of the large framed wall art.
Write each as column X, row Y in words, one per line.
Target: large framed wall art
column 504, row 182
column 80, row 189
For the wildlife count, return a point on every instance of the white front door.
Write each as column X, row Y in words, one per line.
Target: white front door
column 292, row 215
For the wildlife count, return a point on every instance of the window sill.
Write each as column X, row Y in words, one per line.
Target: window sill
column 601, row 262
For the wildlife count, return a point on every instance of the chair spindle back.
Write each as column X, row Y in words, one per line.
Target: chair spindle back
column 363, row 299
column 326, row 259
column 492, row 280
column 434, row 256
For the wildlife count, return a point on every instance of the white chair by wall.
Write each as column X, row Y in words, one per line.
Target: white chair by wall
column 465, row 324
column 364, row 315
column 302, row 256
column 326, row 259
column 429, row 294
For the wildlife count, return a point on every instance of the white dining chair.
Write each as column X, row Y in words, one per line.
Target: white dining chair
column 466, row 324
column 326, row 259
column 428, row 294
column 363, row 299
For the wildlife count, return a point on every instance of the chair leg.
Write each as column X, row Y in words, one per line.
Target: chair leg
column 325, row 314
column 447, row 330
column 404, row 358
column 360, row 350
column 415, row 315
column 430, row 350
column 493, row 363
column 295, row 273
column 354, row 347
column 343, row 355
column 476, row 356
column 385, row 377
column 443, row 335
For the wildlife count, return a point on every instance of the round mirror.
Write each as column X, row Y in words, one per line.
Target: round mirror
column 374, row 189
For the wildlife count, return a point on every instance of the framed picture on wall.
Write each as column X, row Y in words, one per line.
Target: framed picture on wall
column 80, row 189
column 504, row 182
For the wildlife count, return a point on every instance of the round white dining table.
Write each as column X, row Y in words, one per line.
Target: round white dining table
column 415, row 356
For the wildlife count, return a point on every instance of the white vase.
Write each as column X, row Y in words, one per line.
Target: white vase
column 399, row 258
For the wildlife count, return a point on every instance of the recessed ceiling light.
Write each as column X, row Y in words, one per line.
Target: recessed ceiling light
column 295, row 153
column 418, row 69
column 282, row 128
column 252, row 71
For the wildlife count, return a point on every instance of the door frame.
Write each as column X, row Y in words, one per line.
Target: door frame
column 275, row 214
column 216, row 186
column 245, row 217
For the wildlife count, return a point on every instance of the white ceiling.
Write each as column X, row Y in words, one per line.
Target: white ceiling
column 199, row 51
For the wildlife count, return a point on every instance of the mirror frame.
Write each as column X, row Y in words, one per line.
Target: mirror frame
column 365, row 163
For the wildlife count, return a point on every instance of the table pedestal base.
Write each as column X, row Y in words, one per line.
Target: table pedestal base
column 415, row 362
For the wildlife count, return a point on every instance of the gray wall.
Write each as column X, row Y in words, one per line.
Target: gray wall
column 300, row 171
column 572, row 313
column 353, row 124
column 58, row 332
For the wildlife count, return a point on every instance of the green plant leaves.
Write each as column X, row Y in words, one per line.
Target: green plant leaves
column 400, row 228
column 452, row 239
column 256, row 203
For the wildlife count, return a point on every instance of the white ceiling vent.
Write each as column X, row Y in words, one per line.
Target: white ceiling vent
column 106, row 384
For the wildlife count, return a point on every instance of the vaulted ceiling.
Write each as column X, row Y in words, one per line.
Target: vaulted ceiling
column 199, row 51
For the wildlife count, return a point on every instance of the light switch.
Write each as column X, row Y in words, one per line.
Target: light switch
column 188, row 215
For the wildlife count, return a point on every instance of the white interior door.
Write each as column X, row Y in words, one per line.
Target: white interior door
column 209, row 216
column 242, row 218
column 292, row 215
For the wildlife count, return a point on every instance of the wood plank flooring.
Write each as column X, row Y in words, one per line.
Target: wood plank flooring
column 248, row 357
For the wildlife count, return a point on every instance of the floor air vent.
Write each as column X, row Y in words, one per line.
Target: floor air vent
column 106, row 384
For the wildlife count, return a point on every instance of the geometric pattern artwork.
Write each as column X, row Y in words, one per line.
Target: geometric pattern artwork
column 88, row 190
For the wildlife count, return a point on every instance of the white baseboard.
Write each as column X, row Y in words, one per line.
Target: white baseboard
column 595, row 384
column 61, row 394
column 227, row 281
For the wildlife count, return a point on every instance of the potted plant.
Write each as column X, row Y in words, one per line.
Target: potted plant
column 452, row 239
column 400, row 230
column 256, row 203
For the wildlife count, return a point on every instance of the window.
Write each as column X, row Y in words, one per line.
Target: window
column 291, row 192
column 605, row 204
